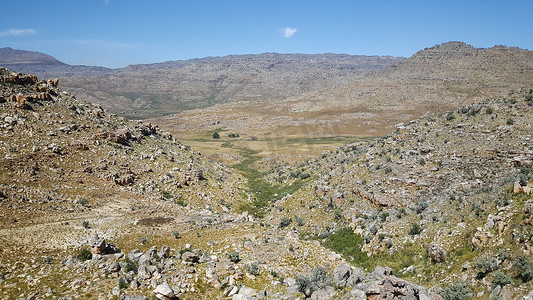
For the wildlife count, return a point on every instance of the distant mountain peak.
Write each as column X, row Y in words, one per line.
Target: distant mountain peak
column 10, row 56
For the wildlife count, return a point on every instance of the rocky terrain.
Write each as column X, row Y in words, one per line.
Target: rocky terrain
column 94, row 206
column 142, row 91
column 444, row 77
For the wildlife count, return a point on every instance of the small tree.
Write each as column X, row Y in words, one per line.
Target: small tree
column 216, row 135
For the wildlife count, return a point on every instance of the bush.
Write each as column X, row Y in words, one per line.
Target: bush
column 524, row 268
column 48, row 259
column 176, row 234
column 318, row 279
column 421, row 206
column 299, row 220
column 83, row 201
column 486, row 265
column 416, row 229
column 458, row 290
column 84, row 255
column 131, row 266
column 144, row 240
column 285, row 221
column 500, row 278
column 346, row 242
column 303, row 175
column 234, row 257
column 252, row 268
column 373, row 230
column 509, row 121
column 450, row 117
column 85, row 224
column 122, row 284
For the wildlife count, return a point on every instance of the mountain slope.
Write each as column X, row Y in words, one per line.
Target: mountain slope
column 437, row 79
column 437, row 199
column 141, row 91
column 9, row 56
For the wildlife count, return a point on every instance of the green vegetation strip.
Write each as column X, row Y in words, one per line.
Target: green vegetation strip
column 263, row 192
column 349, row 244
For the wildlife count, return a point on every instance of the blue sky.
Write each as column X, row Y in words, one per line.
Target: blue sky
column 116, row 33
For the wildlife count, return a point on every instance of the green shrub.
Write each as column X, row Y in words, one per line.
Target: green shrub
column 509, row 121
column 524, row 268
column 284, row 222
column 450, row 117
column 144, row 240
column 216, row 135
column 176, row 234
column 185, row 250
column 83, row 201
column 346, row 242
column 500, row 278
column 234, row 257
column 122, row 284
column 131, row 266
column 85, row 224
column 458, row 290
column 319, row 278
column 416, row 229
column 303, row 175
column 84, row 255
column 180, row 202
column 252, row 268
column 373, row 230
column 299, row 220
column 489, row 111
column 48, row 259
column 485, row 266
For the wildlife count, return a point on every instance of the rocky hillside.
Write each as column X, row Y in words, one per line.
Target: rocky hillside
column 142, row 91
column 445, row 199
column 80, row 188
column 437, row 79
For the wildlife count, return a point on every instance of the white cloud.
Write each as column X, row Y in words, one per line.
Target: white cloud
column 17, row 32
column 288, row 32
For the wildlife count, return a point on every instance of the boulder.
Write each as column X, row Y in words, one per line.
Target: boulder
column 190, row 257
column 126, row 179
column 97, row 244
column 134, row 254
column 341, row 274
column 53, row 82
column 165, row 252
column 135, row 297
column 436, row 253
column 164, row 291
column 325, row 293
